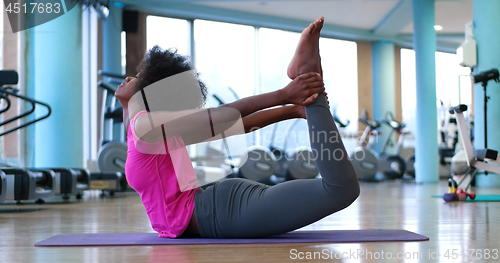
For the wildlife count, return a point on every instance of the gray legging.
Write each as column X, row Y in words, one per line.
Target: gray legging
column 240, row 208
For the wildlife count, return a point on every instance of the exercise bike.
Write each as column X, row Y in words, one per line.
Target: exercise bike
column 364, row 159
column 393, row 166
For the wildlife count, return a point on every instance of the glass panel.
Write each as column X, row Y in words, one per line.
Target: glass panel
column 124, row 51
column 167, row 33
column 225, row 58
column 408, row 89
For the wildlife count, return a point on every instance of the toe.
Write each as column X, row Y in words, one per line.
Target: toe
column 317, row 26
column 320, row 22
column 312, row 26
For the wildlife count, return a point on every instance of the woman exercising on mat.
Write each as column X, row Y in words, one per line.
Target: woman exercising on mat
column 233, row 208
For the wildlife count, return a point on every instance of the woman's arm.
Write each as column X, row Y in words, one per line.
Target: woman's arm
column 261, row 119
column 199, row 121
column 250, row 123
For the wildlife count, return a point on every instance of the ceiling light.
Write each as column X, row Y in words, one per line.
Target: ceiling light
column 438, row 27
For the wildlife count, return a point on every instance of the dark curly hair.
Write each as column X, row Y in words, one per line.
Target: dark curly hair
column 159, row 64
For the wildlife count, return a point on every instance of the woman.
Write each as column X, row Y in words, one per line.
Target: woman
column 232, row 208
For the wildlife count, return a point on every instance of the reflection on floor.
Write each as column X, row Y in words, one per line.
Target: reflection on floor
column 456, row 230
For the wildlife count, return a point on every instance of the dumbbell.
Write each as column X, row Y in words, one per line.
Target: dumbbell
column 462, row 195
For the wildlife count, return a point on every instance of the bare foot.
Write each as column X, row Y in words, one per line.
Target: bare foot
column 306, row 57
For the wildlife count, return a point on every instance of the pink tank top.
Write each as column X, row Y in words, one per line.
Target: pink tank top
column 158, row 171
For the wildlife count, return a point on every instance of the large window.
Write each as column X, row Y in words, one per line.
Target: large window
column 452, row 84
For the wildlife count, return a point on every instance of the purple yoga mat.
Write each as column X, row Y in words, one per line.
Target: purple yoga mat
column 146, row 239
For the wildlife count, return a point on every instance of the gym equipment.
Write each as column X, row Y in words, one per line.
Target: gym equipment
column 340, row 124
column 364, row 158
column 314, row 236
column 113, row 152
column 393, row 165
column 457, row 194
column 69, row 181
column 410, row 166
column 63, row 181
column 292, row 164
column 3, row 178
column 11, row 77
column 483, row 159
column 112, row 157
column 25, row 184
column 478, row 198
column 37, row 183
column 3, row 186
column 451, row 156
column 108, row 181
column 22, row 184
column 7, row 103
column 459, row 164
column 462, row 195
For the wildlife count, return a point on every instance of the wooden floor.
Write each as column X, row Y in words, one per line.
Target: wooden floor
column 390, row 205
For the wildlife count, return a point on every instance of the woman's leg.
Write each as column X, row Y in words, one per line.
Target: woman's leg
column 243, row 208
